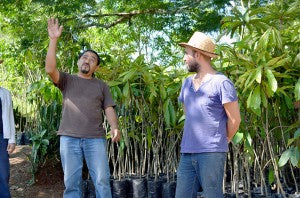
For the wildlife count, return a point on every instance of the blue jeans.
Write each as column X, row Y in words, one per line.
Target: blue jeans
column 205, row 169
column 4, row 168
column 72, row 151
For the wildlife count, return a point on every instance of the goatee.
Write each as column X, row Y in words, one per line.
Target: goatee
column 193, row 67
column 86, row 69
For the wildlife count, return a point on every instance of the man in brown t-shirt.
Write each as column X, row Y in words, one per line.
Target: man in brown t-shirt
column 81, row 129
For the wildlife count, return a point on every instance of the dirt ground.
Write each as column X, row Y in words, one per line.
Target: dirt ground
column 49, row 182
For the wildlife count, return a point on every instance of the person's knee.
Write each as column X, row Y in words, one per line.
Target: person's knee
column 72, row 182
column 103, row 178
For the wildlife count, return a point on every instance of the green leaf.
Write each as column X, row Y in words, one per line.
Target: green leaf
column 249, row 82
column 249, row 139
column 290, row 141
column 256, row 100
column 297, row 133
column 272, row 82
column 272, row 62
column 182, row 118
column 43, row 133
column 153, row 89
column 249, row 99
column 284, row 157
column 297, row 90
column 45, row 142
column 295, row 156
column 162, row 91
column 128, row 75
column 264, row 99
column 237, row 138
column 276, row 37
column 267, row 89
column 138, row 119
column 126, row 92
column 271, row 176
column 139, row 60
column 172, row 113
column 113, row 83
column 258, row 74
column 263, row 42
column 147, row 77
column 167, row 113
column 288, row 102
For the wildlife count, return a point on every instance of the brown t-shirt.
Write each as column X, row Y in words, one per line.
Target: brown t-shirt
column 83, row 103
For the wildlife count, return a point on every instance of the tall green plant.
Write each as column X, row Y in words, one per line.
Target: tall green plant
column 266, row 69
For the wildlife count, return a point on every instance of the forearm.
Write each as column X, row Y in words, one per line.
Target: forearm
column 232, row 127
column 111, row 117
column 51, row 57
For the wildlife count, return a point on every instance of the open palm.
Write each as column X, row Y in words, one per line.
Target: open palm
column 54, row 30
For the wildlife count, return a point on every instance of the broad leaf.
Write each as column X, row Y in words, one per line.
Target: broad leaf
column 237, row 138
column 284, row 157
column 272, row 82
column 256, row 100
column 295, row 156
column 258, row 74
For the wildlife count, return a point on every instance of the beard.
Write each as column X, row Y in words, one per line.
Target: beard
column 193, row 66
column 85, row 68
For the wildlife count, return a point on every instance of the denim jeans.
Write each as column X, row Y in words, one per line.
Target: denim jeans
column 72, row 151
column 205, row 169
column 4, row 168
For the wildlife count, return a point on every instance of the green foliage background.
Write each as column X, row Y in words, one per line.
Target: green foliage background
column 142, row 63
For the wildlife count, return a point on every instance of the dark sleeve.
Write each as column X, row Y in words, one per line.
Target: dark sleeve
column 62, row 81
column 107, row 97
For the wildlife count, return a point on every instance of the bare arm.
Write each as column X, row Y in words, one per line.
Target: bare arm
column 113, row 122
column 234, row 118
column 54, row 31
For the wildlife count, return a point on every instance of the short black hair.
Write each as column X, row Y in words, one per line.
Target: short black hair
column 90, row 50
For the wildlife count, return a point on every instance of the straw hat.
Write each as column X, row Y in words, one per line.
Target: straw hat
column 202, row 43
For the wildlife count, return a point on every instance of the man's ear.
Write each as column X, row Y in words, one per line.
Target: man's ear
column 97, row 67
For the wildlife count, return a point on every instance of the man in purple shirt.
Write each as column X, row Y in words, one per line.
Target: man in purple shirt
column 212, row 117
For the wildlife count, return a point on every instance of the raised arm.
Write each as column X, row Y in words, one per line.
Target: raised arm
column 112, row 119
column 234, row 118
column 54, row 31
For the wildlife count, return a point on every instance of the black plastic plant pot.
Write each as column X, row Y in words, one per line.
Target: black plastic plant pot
column 119, row 188
column 154, row 188
column 169, row 189
column 139, row 188
column 129, row 189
